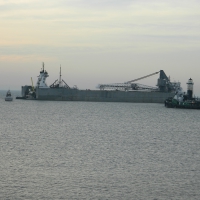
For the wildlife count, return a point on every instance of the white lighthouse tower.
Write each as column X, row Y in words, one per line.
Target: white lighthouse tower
column 190, row 84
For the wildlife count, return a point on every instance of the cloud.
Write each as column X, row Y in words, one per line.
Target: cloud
column 128, row 25
column 24, row 58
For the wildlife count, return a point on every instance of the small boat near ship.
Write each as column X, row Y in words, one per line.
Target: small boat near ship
column 183, row 100
column 8, row 96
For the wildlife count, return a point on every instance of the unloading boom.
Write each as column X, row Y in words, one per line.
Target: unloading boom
column 163, row 84
column 142, row 77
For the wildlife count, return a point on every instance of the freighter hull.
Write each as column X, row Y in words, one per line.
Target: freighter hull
column 63, row 94
column 126, row 92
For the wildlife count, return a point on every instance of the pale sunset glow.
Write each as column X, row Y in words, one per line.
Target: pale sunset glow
column 99, row 41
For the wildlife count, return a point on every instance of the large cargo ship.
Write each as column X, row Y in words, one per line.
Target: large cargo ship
column 117, row 92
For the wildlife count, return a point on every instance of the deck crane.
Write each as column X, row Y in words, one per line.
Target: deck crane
column 33, row 89
column 163, row 84
column 142, row 77
column 58, row 83
column 129, row 85
column 31, row 93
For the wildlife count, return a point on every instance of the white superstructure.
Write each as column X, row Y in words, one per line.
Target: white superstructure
column 41, row 83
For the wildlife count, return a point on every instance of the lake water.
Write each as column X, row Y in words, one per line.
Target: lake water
column 94, row 150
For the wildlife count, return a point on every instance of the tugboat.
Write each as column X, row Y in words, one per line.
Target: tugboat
column 8, row 96
column 182, row 100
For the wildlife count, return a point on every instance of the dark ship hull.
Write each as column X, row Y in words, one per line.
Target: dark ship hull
column 63, row 94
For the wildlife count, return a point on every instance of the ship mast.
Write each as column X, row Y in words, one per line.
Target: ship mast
column 60, row 76
column 60, row 81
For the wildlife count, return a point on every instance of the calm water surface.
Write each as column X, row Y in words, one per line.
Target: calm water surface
column 88, row 150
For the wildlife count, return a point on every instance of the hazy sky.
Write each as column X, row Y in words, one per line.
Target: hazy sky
column 99, row 41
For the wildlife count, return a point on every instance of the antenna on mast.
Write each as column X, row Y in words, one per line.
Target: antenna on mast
column 60, row 75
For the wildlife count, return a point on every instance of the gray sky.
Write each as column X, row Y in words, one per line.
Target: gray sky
column 99, row 41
